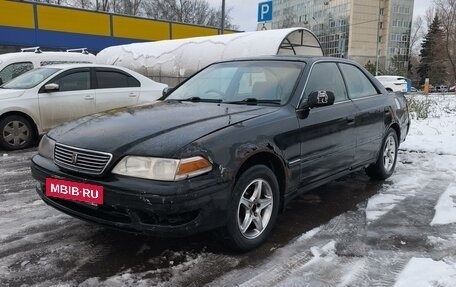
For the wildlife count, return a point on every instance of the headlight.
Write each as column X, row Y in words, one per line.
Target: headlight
column 46, row 147
column 162, row 168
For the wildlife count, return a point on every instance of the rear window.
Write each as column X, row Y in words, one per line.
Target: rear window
column 13, row 70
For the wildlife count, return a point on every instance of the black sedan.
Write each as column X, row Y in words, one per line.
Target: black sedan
column 225, row 150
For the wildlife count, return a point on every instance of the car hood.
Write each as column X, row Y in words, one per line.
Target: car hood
column 157, row 129
column 8, row 93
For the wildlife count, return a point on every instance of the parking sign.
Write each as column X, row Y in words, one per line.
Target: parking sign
column 265, row 11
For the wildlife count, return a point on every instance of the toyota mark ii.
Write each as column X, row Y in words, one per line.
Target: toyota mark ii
column 225, row 150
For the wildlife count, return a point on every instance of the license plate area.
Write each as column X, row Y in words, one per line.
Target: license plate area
column 75, row 191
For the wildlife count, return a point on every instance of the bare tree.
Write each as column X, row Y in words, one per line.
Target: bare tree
column 417, row 33
column 446, row 9
column 197, row 12
column 83, row 4
column 102, row 5
column 131, row 7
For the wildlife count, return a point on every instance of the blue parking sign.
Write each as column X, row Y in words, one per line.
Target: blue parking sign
column 265, row 11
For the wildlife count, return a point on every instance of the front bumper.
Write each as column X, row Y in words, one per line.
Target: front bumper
column 144, row 206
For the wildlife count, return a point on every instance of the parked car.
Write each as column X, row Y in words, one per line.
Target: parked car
column 225, row 150
column 393, row 83
column 441, row 88
column 42, row 98
column 15, row 64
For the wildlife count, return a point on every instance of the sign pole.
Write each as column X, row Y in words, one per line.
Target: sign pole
column 222, row 29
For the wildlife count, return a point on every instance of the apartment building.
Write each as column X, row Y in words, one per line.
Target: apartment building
column 362, row 30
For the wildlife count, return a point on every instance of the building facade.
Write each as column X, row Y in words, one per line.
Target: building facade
column 361, row 30
column 52, row 27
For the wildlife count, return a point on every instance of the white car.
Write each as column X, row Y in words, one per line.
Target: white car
column 393, row 83
column 15, row 64
column 42, row 98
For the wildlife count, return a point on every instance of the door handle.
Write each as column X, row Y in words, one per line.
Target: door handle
column 351, row 120
column 89, row 97
column 132, row 95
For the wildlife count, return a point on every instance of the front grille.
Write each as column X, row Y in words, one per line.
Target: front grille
column 81, row 160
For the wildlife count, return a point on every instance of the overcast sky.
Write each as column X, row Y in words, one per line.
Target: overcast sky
column 244, row 12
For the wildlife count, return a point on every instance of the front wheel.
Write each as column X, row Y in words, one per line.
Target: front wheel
column 16, row 132
column 387, row 157
column 253, row 209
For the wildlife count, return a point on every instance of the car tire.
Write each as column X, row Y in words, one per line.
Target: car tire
column 16, row 132
column 387, row 157
column 253, row 209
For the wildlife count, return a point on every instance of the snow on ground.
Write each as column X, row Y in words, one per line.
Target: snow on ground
column 423, row 272
column 403, row 235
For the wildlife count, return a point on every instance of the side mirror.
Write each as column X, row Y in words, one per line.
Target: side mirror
column 167, row 91
column 51, row 87
column 320, row 99
column 1, row 81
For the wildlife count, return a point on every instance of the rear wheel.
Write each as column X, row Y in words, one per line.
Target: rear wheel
column 253, row 209
column 387, row 157
column 16, row 132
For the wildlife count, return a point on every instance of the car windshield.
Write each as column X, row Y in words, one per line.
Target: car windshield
column 30, row 79
column 242, row 82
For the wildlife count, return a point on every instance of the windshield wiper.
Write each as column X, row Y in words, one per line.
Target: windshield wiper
column 254, row 101
column 198, row 99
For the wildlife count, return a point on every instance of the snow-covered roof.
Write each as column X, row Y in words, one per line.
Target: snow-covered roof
column 170, row 61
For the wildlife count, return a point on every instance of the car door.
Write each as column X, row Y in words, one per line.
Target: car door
column 73, row 99
column 327, row 133
column 370, row 112
column 115, row 88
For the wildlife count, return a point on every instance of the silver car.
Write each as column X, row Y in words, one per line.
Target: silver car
column 44, row 97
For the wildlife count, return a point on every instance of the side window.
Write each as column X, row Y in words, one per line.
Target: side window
column 358, row 84
column 74, row 82
column 13, row 70
column 113, row 79
column 327, row 77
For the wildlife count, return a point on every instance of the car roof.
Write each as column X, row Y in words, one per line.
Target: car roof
column 44, row 55
column 84, row 65
column 307, row 59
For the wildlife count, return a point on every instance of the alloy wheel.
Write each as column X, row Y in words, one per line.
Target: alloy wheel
column 255, row 208
column 389, row 153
